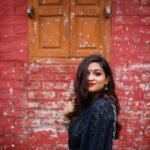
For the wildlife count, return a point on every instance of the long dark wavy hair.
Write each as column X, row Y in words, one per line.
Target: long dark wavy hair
column 81, row 95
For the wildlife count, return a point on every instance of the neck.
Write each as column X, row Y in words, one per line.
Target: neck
column 94, row 96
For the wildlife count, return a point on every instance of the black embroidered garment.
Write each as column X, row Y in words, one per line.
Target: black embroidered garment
column 95, row 128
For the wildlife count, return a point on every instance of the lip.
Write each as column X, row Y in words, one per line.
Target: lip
column 91, row 84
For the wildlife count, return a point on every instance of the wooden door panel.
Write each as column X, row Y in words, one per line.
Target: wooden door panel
column 43, row 2
column 50, row 29
column 87, row 27
column 87, row 2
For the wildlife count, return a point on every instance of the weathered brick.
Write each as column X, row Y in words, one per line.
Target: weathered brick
column 73, row 69
column 8, row 141
column 145, row 2
column 144, row 10
column 34, row 104
column 9, row 130
column 55, row 85
column 59, row 68
column 146, row 95
column 61, row 147
column 146, row 39
column 22, row 103
column 7, row 3
column 19, row 122
column 145, row 20
column 6, row 84
column 6, row 102
column 20, row 10
column 21, row 140
column 130, row 10
column 53, row 77
column 57, row 104
column 6, row 94
column 120, row 29
column 7, row 48
column 20, row 29
column 1, row 131
column 6, row 29
column 18, row 2
column 6, row 65
column 126, row 2
column 129, row 20
column 145, row 29
column 21, row 146
column 45, row 95
column 14, row 112
column 146, row 141
column 21, row 131
column 34, row 85
column 144, row 147
column 14, row 56
column 19, row 85
column 12, row 20
column 7, row 11
column 42, row 113
column 20, row 94
column 145, row 76
column 42, row 147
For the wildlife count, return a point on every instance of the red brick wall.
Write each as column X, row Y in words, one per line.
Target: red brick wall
column 130, row 58
column 32, row 96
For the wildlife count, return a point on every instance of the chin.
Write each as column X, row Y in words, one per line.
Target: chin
column 92, row 91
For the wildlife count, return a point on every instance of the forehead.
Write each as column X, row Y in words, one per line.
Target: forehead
column 94, row 66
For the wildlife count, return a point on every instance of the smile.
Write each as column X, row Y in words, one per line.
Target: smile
column 91, row 84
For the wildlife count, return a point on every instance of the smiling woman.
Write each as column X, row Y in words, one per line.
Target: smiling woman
column 96, row 77
column 92, row 115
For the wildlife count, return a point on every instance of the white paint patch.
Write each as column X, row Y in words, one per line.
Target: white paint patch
column 11, row 91
column 5, row 113
column 21, row 50
column 139, row 66
column 145, row 86
column 12, row 127
column 72, row 15
column 33, row 104
column 13, row 70
column 47, row 129
column 12, row 145
column 66, row 21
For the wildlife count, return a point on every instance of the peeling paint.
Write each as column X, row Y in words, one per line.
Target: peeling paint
column 145, row 86
column 52, row 129
column 139, row 66
column 11, row 90
column 72, row 15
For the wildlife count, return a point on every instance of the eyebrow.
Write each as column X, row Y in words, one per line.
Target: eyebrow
column 95, row 70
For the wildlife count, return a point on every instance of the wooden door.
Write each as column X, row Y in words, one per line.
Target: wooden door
column 49, row 34
column 68, row 28
column 87, row 27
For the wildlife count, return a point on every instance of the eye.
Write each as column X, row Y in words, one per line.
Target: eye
column 97, row 73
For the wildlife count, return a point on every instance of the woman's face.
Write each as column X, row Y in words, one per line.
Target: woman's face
column 96, row 78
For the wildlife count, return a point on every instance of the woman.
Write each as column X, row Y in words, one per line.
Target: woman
column 92, row 114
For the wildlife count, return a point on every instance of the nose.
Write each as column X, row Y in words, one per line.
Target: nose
column 90, row 77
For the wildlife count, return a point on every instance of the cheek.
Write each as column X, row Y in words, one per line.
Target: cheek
column 101, row 80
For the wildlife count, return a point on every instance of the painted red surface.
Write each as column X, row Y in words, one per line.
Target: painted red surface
column 32, row 96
